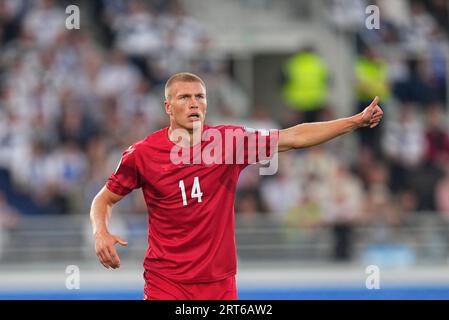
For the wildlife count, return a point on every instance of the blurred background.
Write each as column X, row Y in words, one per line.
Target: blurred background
column 72, row 100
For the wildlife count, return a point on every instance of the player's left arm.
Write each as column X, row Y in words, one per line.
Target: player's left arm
column 310, row 134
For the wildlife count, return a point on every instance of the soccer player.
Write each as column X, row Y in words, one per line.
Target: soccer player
column 191, row 244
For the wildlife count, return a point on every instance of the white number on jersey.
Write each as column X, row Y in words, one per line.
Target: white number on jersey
column 196, row 191
column 183, row 192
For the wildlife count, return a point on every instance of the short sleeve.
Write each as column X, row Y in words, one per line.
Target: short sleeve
column 252, row 146
column 126, row 177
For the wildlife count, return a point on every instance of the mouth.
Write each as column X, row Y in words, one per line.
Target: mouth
column 194, row 116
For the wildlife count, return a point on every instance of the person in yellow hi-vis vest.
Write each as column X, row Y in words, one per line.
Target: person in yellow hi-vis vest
column 306, row 84
column 371, row 73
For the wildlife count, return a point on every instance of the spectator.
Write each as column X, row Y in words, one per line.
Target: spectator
column 342, row 210
column 418, row 87
column 306, row 84
column 442, row 194
column 116, row 76
column 347, row 15
column 9, row 220
column 437, row 137
column 379, row 205
column 11, row 14
column 45, row 23
column 437, row 65
column 403, row 145
column 282, row 191
column 307, row 214
column 420, row 29
column 371, row 72
column 439, row 9
column 138, row 31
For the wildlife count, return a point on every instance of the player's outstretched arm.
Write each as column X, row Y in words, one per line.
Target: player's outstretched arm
column 100, row 213
column 310, row 134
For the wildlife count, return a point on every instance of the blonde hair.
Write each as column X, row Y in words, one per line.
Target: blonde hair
column 182, row 77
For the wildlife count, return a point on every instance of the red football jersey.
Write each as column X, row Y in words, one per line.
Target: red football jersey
column 190, row 204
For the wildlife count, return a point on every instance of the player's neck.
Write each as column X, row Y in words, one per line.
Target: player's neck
column 185, row 137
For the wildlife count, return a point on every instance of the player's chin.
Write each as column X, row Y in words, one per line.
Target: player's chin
column 192, row 123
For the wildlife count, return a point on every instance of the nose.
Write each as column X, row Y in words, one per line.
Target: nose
column 193, row 104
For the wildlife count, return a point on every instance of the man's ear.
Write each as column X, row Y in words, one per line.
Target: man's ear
column 167, row 107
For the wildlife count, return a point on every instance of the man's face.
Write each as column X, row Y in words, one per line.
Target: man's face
column 186, row 104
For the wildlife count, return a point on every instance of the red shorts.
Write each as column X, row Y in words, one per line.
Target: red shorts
column 158, row 287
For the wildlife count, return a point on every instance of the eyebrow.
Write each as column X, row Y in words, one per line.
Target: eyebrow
column 190, row 94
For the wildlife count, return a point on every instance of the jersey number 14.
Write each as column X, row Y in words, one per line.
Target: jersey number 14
column 196, row 191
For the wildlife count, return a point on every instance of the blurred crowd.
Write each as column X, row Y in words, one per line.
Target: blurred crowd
column 402, row 166
column 72, row 100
